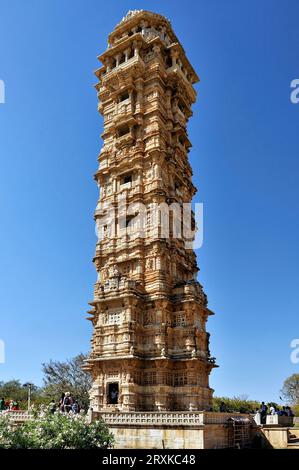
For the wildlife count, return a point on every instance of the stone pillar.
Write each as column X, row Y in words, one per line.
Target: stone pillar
column 168, row 103
column 157, row 50
column 139, row 95
column 127, row 53
column 117, row 59
column 143, row 27
column 136, row 45
column 174, row 56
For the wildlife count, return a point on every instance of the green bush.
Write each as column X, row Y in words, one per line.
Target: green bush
column 54, row 431
column 296, row 410
column 235, row 404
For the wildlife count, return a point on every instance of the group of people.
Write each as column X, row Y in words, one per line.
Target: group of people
column 66, row 404
column 11, row 405
column 263, row 411
column 273, row 410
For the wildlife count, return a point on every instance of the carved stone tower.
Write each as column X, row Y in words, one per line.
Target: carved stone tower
column 150, row 348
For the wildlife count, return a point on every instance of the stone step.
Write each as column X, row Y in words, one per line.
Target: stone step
column 293, row 442
column 293, row 445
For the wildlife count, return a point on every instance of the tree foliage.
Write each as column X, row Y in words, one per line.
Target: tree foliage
column 290, row 389
column 236, row 404
column 67, row 376
column 14, row 390
column 59, row 377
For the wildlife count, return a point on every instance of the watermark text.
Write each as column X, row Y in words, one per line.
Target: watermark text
column 295, row 91
column 295, row 353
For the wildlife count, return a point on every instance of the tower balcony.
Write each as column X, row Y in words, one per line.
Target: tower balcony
column 180, row 118
column 190, row 290
column 177, row 69
column 123, row 112
column 124, row 140
column 116, row 286
column 136, row 62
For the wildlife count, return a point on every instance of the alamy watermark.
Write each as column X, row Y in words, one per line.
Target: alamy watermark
column 2, row 92
column 128, row 221
column 294, row 96
column 295, row 351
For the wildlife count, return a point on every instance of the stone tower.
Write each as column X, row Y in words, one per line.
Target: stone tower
column 150, row 348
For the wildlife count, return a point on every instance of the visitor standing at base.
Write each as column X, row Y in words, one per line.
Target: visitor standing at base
column 264, row 410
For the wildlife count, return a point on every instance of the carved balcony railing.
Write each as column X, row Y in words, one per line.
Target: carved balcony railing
column 133, row 61
column 116, row 285
column 123, row 111
column 18, row 416
column 169, row 418
column 211, row 417
column 152, row 418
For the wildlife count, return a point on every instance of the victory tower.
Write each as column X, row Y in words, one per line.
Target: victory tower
column 150, row 348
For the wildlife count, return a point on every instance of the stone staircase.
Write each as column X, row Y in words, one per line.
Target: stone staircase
column 293, row 439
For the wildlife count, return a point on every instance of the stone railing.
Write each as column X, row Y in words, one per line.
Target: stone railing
column 280, row 420
column 114, row 285
column 123, row 110
column 170, row 418
column 136, row 59
column 18, row 415
column 275, row 420
column 221, row 418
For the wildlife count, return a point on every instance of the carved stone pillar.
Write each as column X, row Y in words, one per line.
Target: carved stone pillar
column 127, row 53
column 139, row 95
column 117, row 59
column 136, row 46
column 174, row 56
column 143, row 27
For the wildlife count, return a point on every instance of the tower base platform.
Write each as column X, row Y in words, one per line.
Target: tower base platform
column 179, row 430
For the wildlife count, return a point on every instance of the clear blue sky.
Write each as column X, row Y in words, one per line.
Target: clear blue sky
column 246, row 165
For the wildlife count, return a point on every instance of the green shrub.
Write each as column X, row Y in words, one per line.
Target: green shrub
column 54, row 431
column 235, row 404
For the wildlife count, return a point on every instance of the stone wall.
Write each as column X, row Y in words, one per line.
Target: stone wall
column 158, row 438
column 210, row 436
column 171, row 430
column 275, row 437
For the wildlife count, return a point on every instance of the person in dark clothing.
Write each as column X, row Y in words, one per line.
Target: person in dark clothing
column 264, row 409
column 222, row 407
column 289, row 411
column 75, row 407
column 61, row 402
column 52, row 406
column 68, row 402
column 114, row 396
